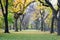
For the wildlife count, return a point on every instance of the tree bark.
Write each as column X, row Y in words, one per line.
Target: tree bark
column 20, row 23
column 16, row 28
column 6, row 24
column 52, row 24
column 58, row 24
column 6, row 18
column 41, row 24
column 58, row 28
column 13, row 25
column 42, row 21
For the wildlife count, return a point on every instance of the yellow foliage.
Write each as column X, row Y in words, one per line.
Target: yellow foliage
column 0, row 12
column 48, row 20
column 35, row 15
column 19, row 5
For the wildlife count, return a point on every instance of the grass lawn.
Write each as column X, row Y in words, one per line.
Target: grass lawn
column 28, row 35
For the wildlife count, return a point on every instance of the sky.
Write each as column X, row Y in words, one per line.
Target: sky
column 54, row 3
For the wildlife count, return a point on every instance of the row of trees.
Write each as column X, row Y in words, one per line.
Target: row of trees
column 54, row 15
column 17, row 12
column 22, row 6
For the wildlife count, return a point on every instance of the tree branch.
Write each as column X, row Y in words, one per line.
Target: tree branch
column 28, row 5
column 17, row 4
column 59, row 3
column 2, row 8
column 6, row 7
column 43, row 3
column 49, row 4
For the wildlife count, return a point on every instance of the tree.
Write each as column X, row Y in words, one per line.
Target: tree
column 5, row 14
column 19, row 8
column 53, row 10
column 58, row 19
column 42, row 20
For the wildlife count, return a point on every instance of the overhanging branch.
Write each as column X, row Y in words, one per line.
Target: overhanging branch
column 2, row 7
column 28, row 5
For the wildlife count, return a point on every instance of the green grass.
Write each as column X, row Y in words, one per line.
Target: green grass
column 28, row 35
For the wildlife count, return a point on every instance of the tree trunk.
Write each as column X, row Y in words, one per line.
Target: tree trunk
column 20, row 27
column 16, row 28
column 42, row 20
column 37, row 23
column 13, row 26
column 10, row 27
column 5, row 15
column 20, row 22
column 21, row 19
column 58, row 24
column 52, row 24
column 6, row 24
column 58, row 28
column 42, row 23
